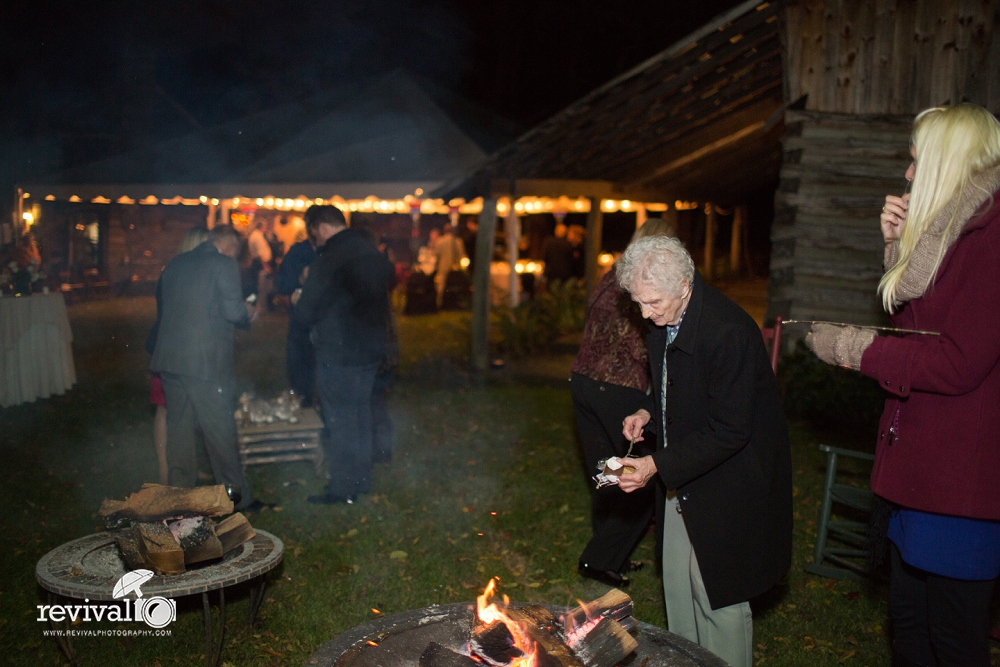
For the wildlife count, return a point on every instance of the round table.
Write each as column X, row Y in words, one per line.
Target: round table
column 36, row 356
column 89, row 568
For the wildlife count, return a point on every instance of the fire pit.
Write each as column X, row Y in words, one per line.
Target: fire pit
column 400, row 639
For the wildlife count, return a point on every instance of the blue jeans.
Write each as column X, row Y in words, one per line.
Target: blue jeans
column 346, row 395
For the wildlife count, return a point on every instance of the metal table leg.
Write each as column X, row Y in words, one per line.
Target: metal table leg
column 213, row 649
column 256, row 597
column 60, row 632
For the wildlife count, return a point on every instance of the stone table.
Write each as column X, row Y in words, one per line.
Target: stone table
column 89, row 567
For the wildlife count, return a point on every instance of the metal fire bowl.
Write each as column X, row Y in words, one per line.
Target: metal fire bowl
column 401, row 638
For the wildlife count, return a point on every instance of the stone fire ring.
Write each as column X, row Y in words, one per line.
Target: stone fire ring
column 401, row 638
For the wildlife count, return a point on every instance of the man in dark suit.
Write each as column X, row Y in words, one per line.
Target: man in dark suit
column 723, row 455
column 300, row 357
column 202, row 303
column 344, row 301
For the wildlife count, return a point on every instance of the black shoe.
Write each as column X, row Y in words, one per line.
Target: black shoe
column 257, row 506
column 330, row 499
column 609, row 577
column 632, row 566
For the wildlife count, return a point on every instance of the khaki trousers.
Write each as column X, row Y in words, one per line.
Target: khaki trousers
column 726, row 632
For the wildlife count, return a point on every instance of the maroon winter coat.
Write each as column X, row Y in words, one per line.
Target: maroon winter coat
column 941, row 453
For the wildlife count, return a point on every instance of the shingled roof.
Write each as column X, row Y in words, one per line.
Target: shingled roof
column 701, row 119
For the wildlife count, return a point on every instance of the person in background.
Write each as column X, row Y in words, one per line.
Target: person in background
column 577, row 235
column 468, row 234
column 722, row 456
column 450, row 252
column 609, row 382
column 192, row 239
column 300, row 356
column 427, row 259
column 385, row 377
column 202, row 305
column 260, row 261
column 938, row 448
column 344, row 302
column 557, row 253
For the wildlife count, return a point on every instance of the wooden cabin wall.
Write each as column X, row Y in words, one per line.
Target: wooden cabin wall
column 826, row 257
column 892, row 56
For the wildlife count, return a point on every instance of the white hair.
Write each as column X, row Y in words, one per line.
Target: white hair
column 660, row 262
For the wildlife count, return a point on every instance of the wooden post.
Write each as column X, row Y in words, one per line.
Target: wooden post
column 210, row 218
column 592, row 247
column 224, row 212
column 710, row 224
column 640, row 216
column 512, row 228
column 480, row 351
column 19, row 220
column 736, row 242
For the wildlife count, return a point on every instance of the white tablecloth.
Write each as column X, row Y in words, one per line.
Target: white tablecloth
column 36, row 356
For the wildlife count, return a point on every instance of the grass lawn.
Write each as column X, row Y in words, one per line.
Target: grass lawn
column 486, row 480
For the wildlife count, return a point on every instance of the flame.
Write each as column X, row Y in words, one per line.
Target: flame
column 489, row 613
column 574, row 631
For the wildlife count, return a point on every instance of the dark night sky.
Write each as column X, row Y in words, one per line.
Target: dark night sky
column 65, row 63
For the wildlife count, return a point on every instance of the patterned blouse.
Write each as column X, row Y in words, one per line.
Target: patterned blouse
column 614, row 338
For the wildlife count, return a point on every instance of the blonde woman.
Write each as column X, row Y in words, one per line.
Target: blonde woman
column 938, row 451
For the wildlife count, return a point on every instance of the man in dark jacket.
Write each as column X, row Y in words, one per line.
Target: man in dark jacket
column 723, row 458
column 345, row 300
column 300, row 357
column 201, row 305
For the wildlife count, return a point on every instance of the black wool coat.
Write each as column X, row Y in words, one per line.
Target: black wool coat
column 727, row 455
column 345, row 301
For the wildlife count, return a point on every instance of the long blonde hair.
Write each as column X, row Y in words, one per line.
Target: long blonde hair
column 952, row 145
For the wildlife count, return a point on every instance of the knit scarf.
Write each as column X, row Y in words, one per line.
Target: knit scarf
column 920, row 271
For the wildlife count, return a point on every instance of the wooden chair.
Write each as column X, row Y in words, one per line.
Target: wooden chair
column 849, row 560
column 772, row 335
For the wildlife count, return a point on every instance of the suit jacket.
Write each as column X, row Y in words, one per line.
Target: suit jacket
column 202, row 303
column 727, row 455
column 345, row 301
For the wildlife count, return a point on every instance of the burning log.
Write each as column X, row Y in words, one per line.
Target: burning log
column 614, row 604
column 607, row 644
column 436, row 655
column 586, row 636
column 154, row 502
column 494, row 643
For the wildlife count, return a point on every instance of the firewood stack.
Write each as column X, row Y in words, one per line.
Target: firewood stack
column 166, row 529
column 595, row 634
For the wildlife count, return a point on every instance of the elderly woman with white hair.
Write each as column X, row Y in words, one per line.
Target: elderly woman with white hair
column 722, row 461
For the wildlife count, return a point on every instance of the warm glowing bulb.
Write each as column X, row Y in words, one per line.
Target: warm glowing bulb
column 260, row 202
column 418, row 191
column 578, row 205
column 465, row 262
column 215, row 202
column 626, row 204
column 28, row 216
column 518, row 207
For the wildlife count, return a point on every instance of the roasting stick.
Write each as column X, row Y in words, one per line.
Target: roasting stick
column 862, row 326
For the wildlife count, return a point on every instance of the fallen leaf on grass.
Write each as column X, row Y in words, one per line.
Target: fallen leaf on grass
column 852, row 595
column 846, row 656
column 352, row 532
column 564, row 509
column 398, row 555
column 273, row 652
column 534, row 584
column 851, row 640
